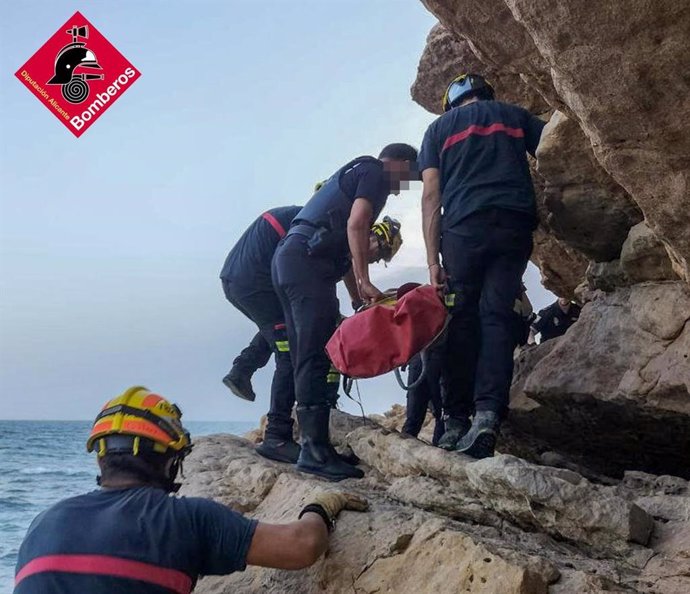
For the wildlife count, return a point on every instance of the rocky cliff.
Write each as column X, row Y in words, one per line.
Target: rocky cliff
column 441, row 522
column 589, row 492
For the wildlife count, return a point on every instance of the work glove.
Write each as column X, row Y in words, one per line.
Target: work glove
column 328, row 504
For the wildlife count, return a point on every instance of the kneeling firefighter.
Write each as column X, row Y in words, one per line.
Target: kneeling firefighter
column 329, row 234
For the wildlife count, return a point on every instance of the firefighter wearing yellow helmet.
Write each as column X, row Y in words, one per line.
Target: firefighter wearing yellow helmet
column 388, row 238
column 131, row 535
column 145, row 426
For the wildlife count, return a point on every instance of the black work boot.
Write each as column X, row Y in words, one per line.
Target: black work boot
column 480, row 440
column 279, row 449
column 318, row 456
column 347, row 455
column 240, row 384
column 456, row 428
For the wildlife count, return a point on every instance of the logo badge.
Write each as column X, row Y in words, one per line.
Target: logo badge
column 77, row 74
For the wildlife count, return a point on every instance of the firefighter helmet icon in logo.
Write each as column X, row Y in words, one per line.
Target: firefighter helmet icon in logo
column 77, row 74
column 75, row 87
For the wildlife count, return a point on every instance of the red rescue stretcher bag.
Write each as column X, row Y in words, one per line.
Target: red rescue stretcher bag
column 387, row 334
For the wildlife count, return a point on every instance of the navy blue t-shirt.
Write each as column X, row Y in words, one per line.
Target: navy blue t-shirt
column 249, row 261
column 361, row 179
column 192, row 535
column 552, row 321
column 480, row 150
column 367, row 180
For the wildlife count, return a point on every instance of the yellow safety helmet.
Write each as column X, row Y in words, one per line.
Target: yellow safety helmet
column 388, row 235
column 138, row 421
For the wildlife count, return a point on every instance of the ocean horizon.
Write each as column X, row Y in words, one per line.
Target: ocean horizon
column 42, row 462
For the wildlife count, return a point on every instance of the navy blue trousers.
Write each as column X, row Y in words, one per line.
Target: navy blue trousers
column 254, row 356
column 306, row 287
column 263, row 307
column 485, row 256
column 426, row 395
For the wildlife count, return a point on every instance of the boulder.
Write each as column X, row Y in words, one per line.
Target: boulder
column 606, row 276
column 585, row 207
column 442, row 522
column 644, row 257
column 446, row 56
column 615, row 390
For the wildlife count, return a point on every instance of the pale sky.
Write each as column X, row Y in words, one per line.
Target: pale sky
column 111, row 244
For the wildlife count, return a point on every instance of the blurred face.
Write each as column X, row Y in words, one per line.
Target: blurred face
column 399, row 174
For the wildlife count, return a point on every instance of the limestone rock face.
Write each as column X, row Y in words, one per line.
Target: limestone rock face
column 621, row 69
column 644, row 257
column 606, row 275
column 585, row 207
column 562, row 267
column 498, row 41
column 446, row 56
column 616, row 388
column 616, row 70
column 442, row 522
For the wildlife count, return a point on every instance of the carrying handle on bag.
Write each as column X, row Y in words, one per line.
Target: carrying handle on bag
column 424, row 355
column 425, row 358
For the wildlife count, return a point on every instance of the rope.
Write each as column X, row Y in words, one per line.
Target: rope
column 347, row 388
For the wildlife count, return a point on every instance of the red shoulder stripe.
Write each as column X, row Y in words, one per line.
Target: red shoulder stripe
column 482, row 131
column 275, row 224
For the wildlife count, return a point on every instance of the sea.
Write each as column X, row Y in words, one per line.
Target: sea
column 42, row 462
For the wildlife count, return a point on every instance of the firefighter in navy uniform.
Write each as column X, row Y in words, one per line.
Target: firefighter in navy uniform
column 247, row 285
column 479, row 212
column 331, row 233
column 131, row 535
column 251, row 358
column 427, row 395
column 246, row 278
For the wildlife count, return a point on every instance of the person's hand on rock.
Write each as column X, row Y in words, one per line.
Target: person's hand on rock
column 333, row 502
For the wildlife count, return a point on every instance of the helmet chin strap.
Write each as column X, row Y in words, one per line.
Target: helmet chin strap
column 175, row 467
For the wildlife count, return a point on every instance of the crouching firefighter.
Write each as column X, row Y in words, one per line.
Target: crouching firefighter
column 246, row 278
column 278, row 442
column 329, row 234
column 132, row 536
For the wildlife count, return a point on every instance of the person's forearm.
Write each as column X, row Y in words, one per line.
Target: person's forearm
column 351, row 286
column 358, row 238
column 314, row 535
column 431, row 224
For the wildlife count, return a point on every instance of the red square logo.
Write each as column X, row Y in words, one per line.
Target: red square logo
column 77, row 74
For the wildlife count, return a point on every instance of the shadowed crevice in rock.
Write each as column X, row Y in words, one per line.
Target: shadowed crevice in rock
column 614, row 392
